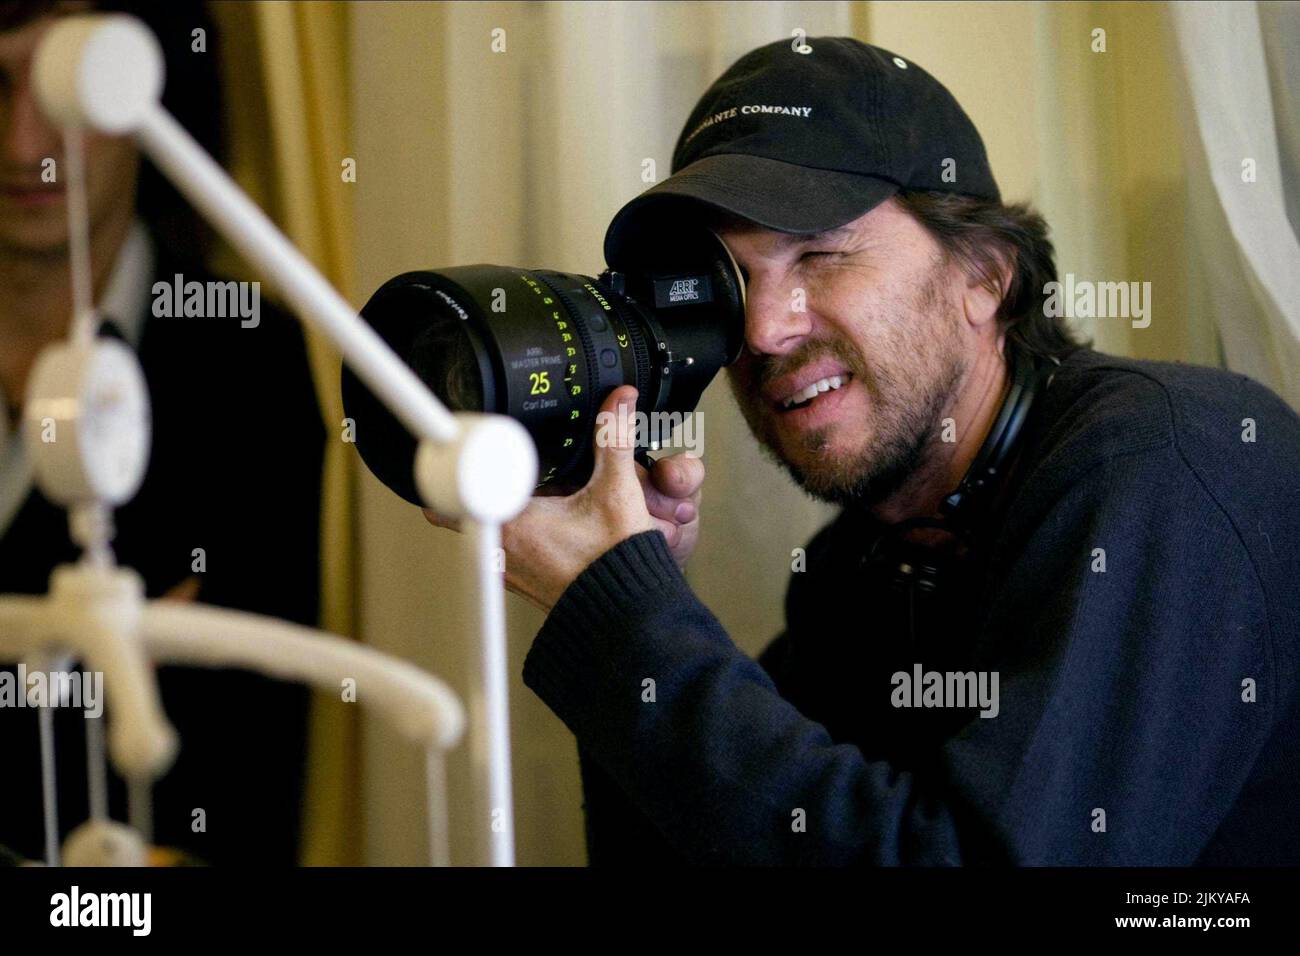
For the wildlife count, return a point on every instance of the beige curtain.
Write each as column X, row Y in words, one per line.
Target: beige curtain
column 1087, row 126
column 286, row 69
column 466, row 154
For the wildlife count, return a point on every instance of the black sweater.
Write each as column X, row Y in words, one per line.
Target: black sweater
column 1148, row 712
column 234, row 468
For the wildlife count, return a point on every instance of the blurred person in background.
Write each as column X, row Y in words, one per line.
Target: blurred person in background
column 228, row 513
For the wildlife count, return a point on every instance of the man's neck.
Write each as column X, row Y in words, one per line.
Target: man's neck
column 36, row 299
column 978, row 400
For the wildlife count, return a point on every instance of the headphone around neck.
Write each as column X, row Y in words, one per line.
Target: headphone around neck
column 921, row 570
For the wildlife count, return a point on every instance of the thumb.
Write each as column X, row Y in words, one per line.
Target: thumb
column 615, row 440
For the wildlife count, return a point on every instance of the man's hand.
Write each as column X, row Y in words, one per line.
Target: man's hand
column 672, row 490
column 554, row 539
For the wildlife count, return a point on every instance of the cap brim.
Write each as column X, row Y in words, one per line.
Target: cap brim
column 770, row 193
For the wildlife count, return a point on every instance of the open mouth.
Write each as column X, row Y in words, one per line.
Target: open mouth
column 808, row 395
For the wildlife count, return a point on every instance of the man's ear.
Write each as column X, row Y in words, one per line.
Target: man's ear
column 985, row 289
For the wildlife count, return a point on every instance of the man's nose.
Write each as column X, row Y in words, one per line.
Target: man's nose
column 776, row 317
column 26, row 138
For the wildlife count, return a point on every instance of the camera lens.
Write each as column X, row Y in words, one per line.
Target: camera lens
column 547, row 347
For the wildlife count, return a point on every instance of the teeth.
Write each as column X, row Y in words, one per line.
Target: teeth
column 815, row 389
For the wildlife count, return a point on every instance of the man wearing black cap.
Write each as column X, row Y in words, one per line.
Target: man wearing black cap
column 1056, row 620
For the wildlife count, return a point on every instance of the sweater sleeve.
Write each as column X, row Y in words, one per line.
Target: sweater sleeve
column 1122, row 734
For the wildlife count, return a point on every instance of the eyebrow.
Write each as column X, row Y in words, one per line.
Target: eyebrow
column 797, row 238
column 719, row 220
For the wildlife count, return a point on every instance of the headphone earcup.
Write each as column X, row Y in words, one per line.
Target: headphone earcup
column 927, row 575
column 903, row 565
column 923, row 579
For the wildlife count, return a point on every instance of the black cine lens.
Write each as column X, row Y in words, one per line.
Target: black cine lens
column 546, row 348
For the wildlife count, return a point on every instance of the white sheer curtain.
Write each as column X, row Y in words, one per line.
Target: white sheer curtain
column 1241, row 63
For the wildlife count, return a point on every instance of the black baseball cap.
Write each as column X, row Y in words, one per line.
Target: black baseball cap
column 800, row 142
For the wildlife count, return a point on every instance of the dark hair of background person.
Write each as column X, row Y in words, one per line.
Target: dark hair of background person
column 191, row 93
column 976, row 233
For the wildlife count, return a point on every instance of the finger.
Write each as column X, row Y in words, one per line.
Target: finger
column 672, row 531
column 657, row 503
column 680, row 476
column 438, row 521
column 615, row 437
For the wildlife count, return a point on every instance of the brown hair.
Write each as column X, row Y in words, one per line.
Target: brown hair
column 981, row 234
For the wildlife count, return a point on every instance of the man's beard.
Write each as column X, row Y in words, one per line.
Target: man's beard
column 905, row 405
